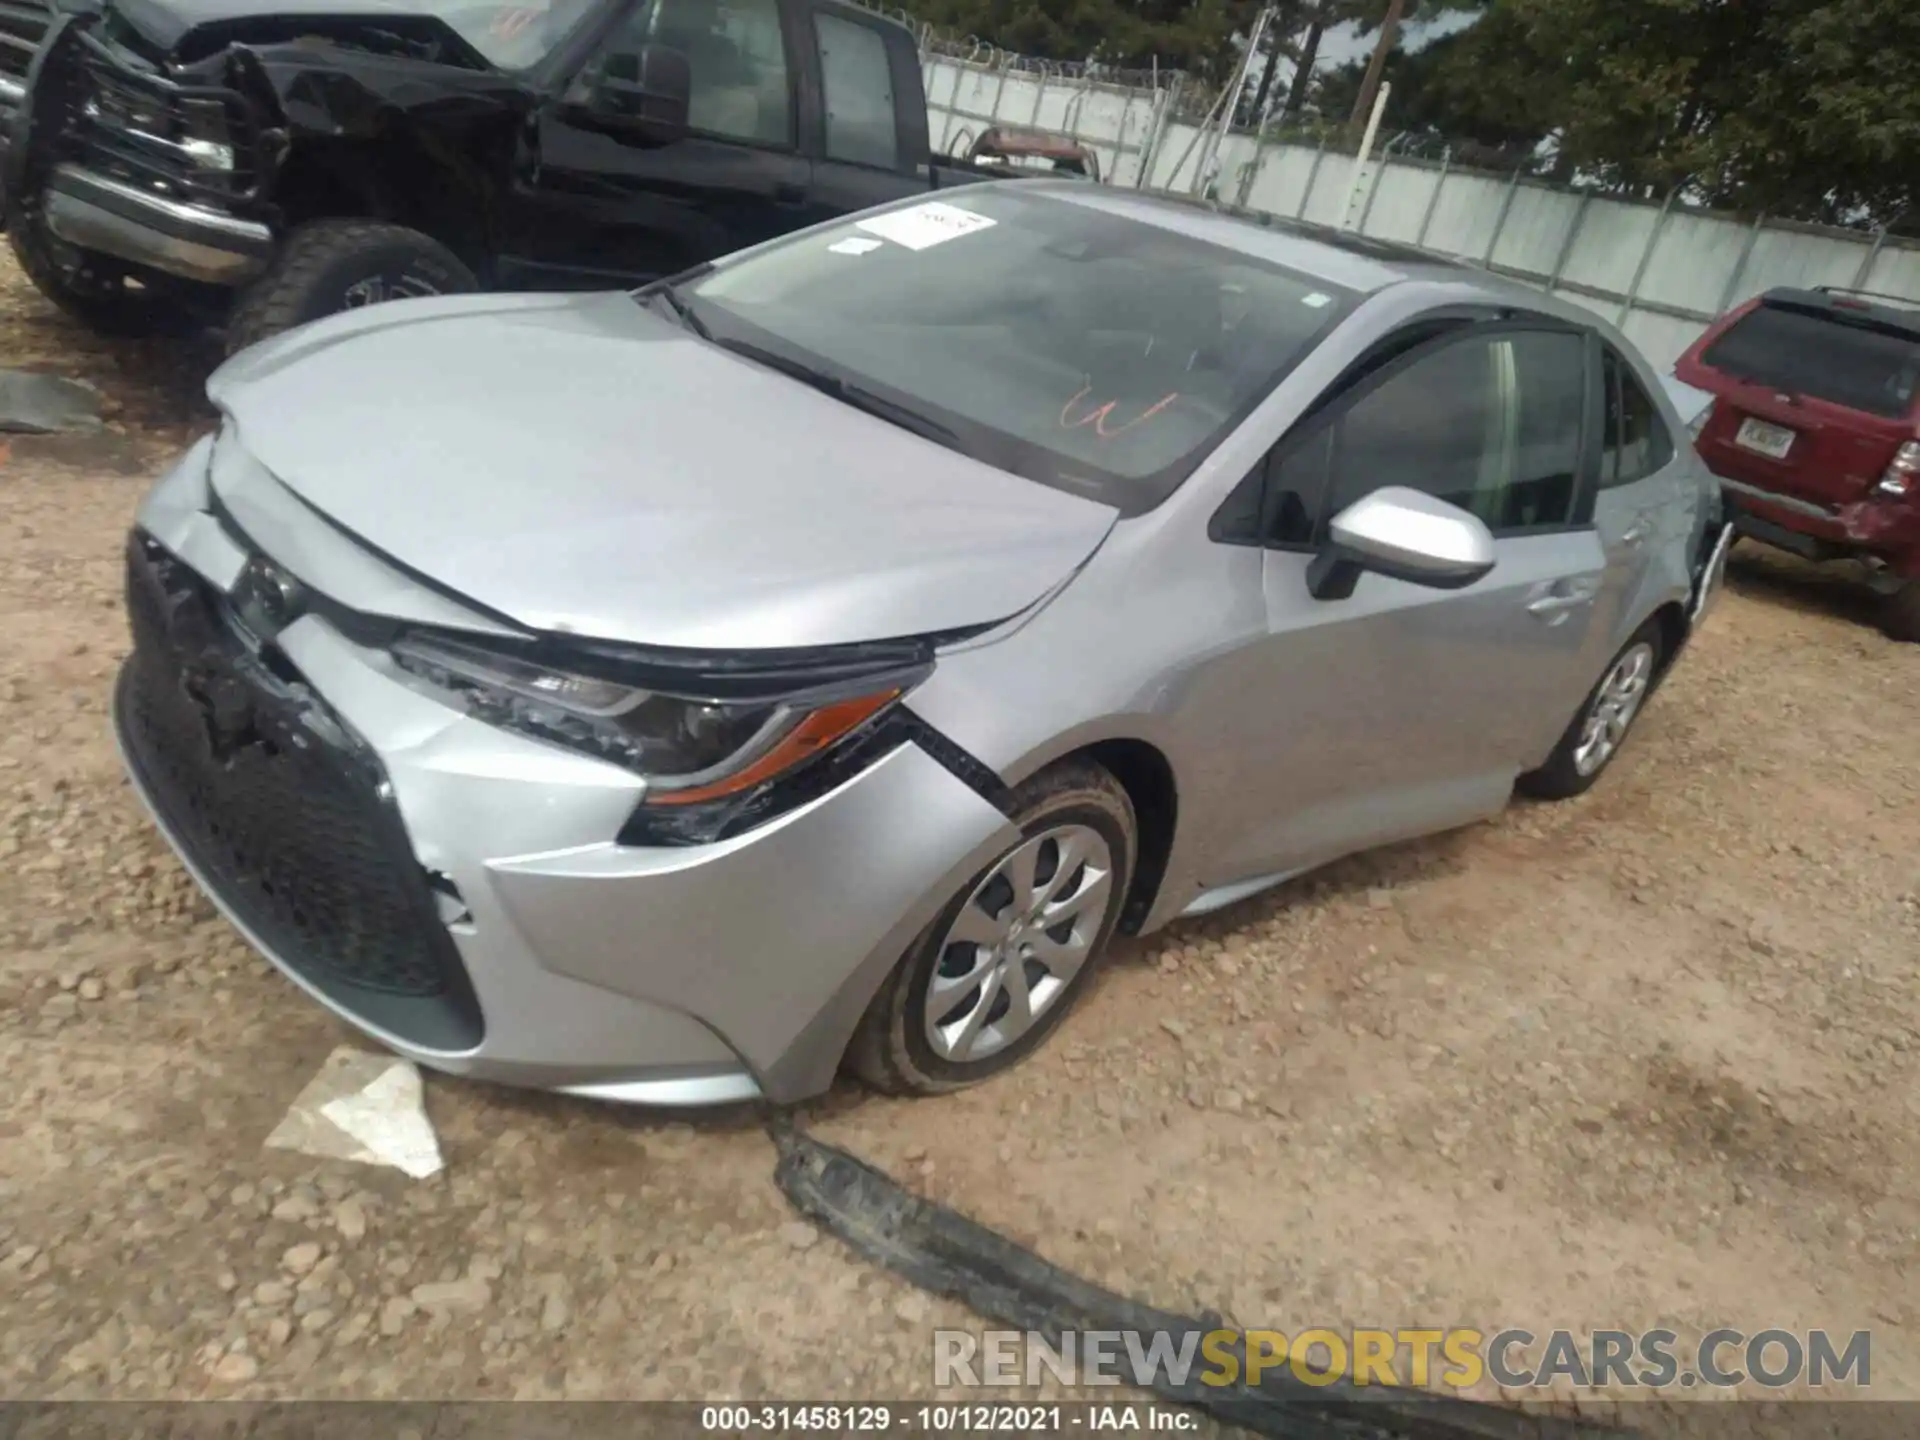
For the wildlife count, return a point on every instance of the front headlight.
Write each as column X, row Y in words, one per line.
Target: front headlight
column 689, row 750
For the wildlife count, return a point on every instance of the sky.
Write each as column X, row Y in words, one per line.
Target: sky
column 1343, row 43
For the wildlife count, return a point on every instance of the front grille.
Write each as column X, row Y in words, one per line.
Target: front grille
column 122, row 118
column 283, row 812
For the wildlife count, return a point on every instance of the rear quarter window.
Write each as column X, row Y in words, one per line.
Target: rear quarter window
column 1844, row 362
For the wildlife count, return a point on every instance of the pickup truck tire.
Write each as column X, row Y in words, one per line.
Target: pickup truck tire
column 1900, row 612
column 92, row 290
column 327, row 266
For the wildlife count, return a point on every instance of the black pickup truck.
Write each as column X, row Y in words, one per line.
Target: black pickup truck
column 255, row 164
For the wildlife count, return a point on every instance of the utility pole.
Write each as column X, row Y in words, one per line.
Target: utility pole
column 1389, row 34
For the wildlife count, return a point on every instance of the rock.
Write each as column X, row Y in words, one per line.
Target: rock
column 295, row 1207
column 799, row 1235
column 279, row 1330
column 227, row 1282
column 913, row 1309
column 236, row 1369
column 1379, row 898
column 272, row 1294
column 1174, row 1028
column 350, row 1219
column 662, row 1263
column 356, row 1326
column 91, row 988
column 469, row 1294
column 316, row 1320
column 554, row 1313
column 301, row 1258
column 394, row 1314
column 1230, row 1100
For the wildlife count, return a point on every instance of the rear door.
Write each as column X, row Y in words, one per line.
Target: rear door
column 1815, row 395
column 1642, row 504
column 866, row 118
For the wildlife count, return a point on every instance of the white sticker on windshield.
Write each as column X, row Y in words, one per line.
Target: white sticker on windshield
column 854, row 245
column 924, row 226
column 1316, row 300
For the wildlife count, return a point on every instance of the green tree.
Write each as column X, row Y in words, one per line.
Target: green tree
column 1803, row 108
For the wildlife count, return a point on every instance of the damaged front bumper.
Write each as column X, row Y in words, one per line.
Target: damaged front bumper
column 191, row 242
column 459, row 892
column 162, row 171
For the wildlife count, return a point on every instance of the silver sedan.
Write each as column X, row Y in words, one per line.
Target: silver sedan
column 815, row 659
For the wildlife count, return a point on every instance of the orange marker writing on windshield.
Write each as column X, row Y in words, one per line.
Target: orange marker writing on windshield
column 1100, row 414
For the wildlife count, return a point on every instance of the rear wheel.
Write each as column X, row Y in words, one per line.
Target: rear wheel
column 327, row 266
column 1000, row 966
column 92, row 288
column 1596, row 734
column 1900, row 612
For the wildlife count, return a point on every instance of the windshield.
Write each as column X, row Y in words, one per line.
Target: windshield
column 512, row 34
column 1804, row 353
column 1070, row 345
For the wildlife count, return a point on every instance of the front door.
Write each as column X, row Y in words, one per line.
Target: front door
column 1402, row 709
column 597, row 206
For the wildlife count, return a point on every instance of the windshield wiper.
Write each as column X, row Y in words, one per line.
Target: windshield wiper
column 878, row 406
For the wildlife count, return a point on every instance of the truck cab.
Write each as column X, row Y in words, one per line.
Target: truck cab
column 255, row 164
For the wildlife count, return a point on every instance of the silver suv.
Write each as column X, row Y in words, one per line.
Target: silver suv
column 671, row 696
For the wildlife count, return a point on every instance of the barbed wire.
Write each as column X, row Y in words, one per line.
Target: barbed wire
column 972, row 50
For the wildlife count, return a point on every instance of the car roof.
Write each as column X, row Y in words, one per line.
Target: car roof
column 1341, row 258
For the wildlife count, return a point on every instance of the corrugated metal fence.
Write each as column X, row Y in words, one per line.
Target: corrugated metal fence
column 1661, row 272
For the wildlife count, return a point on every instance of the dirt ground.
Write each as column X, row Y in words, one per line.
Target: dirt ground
column 1645, row 1058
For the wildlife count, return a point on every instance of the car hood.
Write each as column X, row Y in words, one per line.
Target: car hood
column 165, row 23
column 581, row 465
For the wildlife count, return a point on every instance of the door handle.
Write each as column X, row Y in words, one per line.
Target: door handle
column 1553, row 603
column 1636, row 534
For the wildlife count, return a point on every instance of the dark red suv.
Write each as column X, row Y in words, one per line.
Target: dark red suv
column 1814, row 430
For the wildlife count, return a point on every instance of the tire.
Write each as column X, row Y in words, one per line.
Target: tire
column 1562, row 777
column 894, row 1049
column 91, row 288
column 1900, row 613
column 327, row 266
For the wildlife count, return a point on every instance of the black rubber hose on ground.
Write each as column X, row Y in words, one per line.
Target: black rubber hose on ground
column 947, row 1254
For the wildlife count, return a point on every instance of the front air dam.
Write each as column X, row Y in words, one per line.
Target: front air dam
column 947, row 1254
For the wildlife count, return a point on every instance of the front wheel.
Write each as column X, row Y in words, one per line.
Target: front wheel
column 998, row 969
column 327, row 266
column 1594, row 738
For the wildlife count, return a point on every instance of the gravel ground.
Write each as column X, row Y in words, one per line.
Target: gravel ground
column 1644, row 1058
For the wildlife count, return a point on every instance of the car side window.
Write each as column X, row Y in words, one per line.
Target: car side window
column 1634, row 440
column 736, row 61
column 1489, row 423
column 858, row 84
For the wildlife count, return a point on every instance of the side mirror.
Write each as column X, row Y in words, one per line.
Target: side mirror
column 647, row 91
column 1404, row 535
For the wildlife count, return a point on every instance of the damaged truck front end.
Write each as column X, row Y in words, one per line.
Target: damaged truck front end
column 174, row 180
